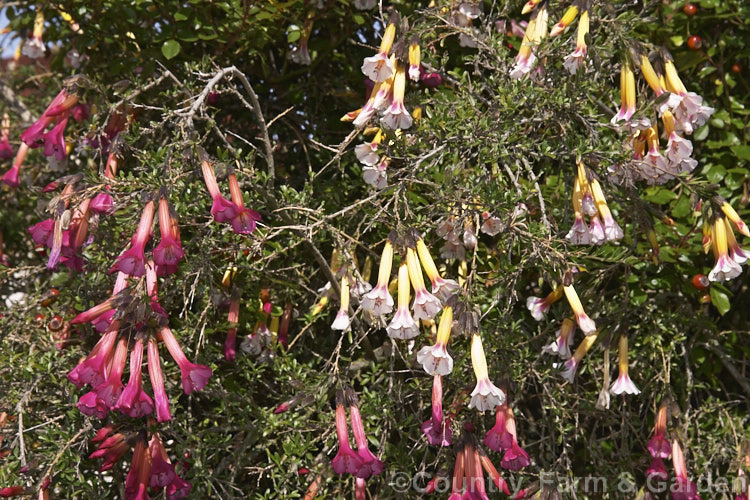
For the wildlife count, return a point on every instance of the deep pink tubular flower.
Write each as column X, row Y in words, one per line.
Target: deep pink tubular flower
column 194, row 377
column 112, row 449
column 244, row 222
column 458, row 476
column 515, row 458
column 102, row 204
column 168, row 252
column 498, row 438
column 179, row 488
column 41, row 232
column 656, row 471
column 222, row 209
column 231, row 340
column 54, row 140
column 136, row 484
column 157, row 382
column 436, row 429
column 658, row 445
column 11, row 176
column 684, row 489
column 6, row 151
column 346, row 460
column 475, row 489
column 62, row 103
column 110, row 390
column 134, row 401
column 371, row 465
column 162, row 470
column 81, row 112
column 133, row 261
column 92, row 405
column 91, row 370
column 92, row 314
column 491, row 471
column 152, row 289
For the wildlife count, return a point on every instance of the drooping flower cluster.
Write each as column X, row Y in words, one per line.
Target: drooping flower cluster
column 57, row 112
column 719, row 236
column 577, row 58
column 362, row 463
column 128, row 326
column 150, row 467
column 67, row 232
column 468, row 472
column 503, row 437
column 243, row 220
column 681, row 113
column 660, row 449
column 589, row 200
column 536, row 31
column 166, row 255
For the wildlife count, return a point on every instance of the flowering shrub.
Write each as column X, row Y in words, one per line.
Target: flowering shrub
column 218, row 181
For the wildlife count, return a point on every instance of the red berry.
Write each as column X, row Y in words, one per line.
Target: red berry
column 694, row 42
column 736, row 68
column 39, row 318
column 690, row 9
column 700, row 281
column 51, row 297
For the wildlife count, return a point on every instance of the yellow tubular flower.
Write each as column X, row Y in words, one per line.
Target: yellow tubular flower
column 322, row 303
column 623, row 354
column 577, row 198
column 733, row 216
column 586, row 324
column 38, row 24
column 386, row 262
column 567, row 18
column 540, row 27
column 601, row 201
column 554, row 295
column 387, row 42
column 583, row 29
column 350, row 116
column 415, row 271
column 478, row 360
column 274, row 326
column 344, row 293
column 674, row 84
column 650, row 75
column 667, row 120
column 629, row 85
column 427, row 263
column 444, row 330
column 707, row 242
column 529, row 6
column 720, row 236
column 403, row 286
column 229, row 275
column 584, row 347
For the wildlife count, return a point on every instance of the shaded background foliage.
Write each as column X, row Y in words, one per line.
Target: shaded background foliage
column 484, row 142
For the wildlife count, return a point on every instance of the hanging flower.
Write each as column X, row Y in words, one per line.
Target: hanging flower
column 426, row 305
column 133, row 400
column 515, row 458
column 133, row 260
column 342, row 317
column 485, row 395
column 586, row 324
column 437, row 429
column 658, row 445
column 498, row 438
column 346, row 460
column 627, row 92
column 575, row 60
column 623, row 384
column 435, row 359
column 379, row 67
column 561, row 345
column 539, row 307
column 397, row 116
column 378, row 301
column 34, row 48
column 441, row 288
column 571, row 365
column 667, row 103
column 402, row 326
column 684, row 489
column 535, row 32
column 565, row 21
column 371, row 465
column 726, row 268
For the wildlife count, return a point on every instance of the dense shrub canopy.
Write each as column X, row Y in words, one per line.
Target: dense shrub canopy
column 195, row 175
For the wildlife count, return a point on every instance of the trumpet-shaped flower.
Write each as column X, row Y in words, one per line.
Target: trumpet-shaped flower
column 133, row 400
column 371, row 465
column 684, row 489
column 194, row 377
column 168, row 252
column 627, row 93
column 157, row 382
column 539, row 307
column 379, row 67
column 485, row 395
column 576, row 59
column 668, row 103
column 515, row 457
column 244, row 220
column 571, row 365
column 222, row 209
column 612, row 230
column 734, row 217
column 435, row 359
column 658, row 445
column 415, row 60
column 725, row 268
column 561, row 345
column 437, row 429
column 586, row 324
column 162, row 470
column 402, row 326
column 623, row 384
column 377, row 175
column 565, row 21
column 109, row 391
column 346, row 460
column 367, row 153
column 441, row 288
column 397, row 116
column 133, row 260
column 342, row 317
column 426, row 305
column 378, row 301
column 498, row 438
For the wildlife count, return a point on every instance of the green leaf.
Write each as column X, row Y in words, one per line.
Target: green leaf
column 659, row 195
column 720, row 300
column 741, row 152
column 170, row 48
